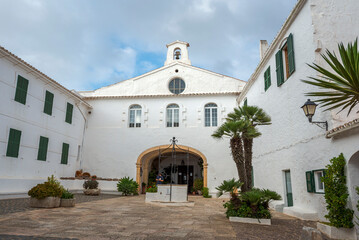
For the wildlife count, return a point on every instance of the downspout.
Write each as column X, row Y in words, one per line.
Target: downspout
column 83, row 133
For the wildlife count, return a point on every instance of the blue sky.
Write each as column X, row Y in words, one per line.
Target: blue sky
column 87, row 44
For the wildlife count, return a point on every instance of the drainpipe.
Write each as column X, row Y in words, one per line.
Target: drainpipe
column 83, row 133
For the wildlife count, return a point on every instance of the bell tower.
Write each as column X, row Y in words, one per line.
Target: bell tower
column 177, row 51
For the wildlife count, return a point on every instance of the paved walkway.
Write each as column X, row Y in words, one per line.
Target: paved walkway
column 131, row 218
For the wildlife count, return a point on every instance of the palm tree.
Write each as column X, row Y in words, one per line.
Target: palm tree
column 341, row 82
column 256, row 116
column 233, row 130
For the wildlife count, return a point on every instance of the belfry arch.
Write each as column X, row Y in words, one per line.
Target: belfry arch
column 145, row 159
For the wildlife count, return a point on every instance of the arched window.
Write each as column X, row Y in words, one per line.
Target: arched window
column 210, row 115
column 173, row 115
column 177, row 54
column 135, row 116
column 177, row 86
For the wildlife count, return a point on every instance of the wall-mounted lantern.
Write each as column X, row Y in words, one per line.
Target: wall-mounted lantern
column 309, row 111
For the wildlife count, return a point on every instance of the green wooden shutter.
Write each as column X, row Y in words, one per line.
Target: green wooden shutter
column 13, row 145
column 49, row 99
column 279, row 68
column 290, row 54
column 42, row 153
column 267, row 80
column 21, row 89
column 69, row 110
column 310, row 181
column 65, row 153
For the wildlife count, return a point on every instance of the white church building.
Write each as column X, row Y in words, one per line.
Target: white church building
column 124, row 129
column 120, row 130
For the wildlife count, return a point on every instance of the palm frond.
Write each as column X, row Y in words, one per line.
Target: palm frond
column 340, row 84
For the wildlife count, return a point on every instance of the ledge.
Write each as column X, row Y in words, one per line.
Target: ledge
column 261, row 221
column 343, row 128
column 301, row 213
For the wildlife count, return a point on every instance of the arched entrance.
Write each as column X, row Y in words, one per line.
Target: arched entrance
column 148, row 158
column 353, row 179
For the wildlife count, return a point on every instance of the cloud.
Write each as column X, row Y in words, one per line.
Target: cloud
column 86, row 44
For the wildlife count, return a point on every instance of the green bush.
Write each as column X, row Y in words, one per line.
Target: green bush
column 67, row 195
column 90, row 184
column 205, row 192
column 229, row 186
column 198, row 184
column 336, row 194
column 251, row 204
column 152, row 188
column 127, row 186
column 51, row 188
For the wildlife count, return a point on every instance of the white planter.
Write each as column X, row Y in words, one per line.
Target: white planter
column 261, row 221
column 337, row 233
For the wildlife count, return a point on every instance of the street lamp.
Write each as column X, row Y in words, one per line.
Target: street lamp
column 309, row 111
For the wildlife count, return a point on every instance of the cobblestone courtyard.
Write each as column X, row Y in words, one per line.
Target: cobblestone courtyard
column 112, row 217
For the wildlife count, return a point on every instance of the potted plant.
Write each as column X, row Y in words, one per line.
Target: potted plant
column 193, row 191
column 143, row 188
column 47, row 194
column 67, row 199
column 249, row 207
column 91, row 188
column 340, row 217
column 127, row 186
column 198, row 185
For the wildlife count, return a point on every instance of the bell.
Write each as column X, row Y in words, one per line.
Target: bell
column 177, row 55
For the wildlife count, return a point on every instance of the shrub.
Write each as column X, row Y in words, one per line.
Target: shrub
column 198, row 184
column 152, row 188
column 336, row 194
column 67, row 195
column 251, row 204
column 229, row 186
column 90, row 184
column 127, row 186
column 205, row 192
column 51, row 188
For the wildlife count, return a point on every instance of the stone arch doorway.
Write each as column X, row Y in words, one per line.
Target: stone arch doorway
column 146, row 158
column 353, row 179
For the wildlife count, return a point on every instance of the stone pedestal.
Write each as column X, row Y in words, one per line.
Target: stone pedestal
column 93, row 192
column 163, row 194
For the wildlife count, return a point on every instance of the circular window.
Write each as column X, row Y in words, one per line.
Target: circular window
column 177, row 86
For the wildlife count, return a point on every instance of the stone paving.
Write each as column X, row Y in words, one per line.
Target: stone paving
column 131, row 218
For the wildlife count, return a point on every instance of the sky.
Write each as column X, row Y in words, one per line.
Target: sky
column 88, row 44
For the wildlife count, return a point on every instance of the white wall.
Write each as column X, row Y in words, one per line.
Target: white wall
column 112, row 148
column 291, row 142
column 20, row 174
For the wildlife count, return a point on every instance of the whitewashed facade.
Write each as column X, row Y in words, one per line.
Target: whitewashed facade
column 117, row 130
column 19, row 173
column 291, row 145
column 113, row 148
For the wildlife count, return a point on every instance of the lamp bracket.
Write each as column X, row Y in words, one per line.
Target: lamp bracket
column 322, row 125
